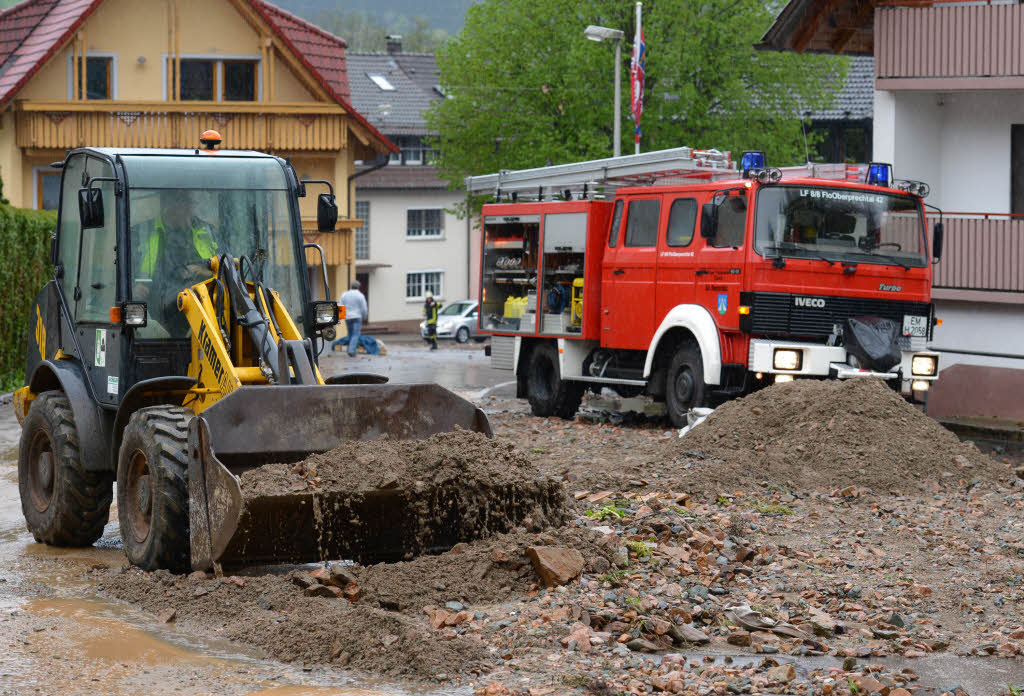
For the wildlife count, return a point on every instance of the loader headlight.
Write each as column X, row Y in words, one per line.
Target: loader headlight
column 134, row 314
column 919, row 385
column 325, row 313
column 923, row 365
column 787, row 359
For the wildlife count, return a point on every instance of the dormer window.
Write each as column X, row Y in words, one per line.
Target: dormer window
column 382, row 82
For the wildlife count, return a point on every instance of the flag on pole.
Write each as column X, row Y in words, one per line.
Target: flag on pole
column 636, row 75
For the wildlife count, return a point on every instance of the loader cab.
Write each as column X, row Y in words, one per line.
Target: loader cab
column 136, row 227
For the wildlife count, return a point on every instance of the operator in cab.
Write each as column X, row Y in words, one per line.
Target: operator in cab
column 172, row 252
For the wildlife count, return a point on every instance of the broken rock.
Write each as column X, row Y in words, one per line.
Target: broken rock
column 555, row 565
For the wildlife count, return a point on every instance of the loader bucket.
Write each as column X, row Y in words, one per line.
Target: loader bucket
column 253, row 426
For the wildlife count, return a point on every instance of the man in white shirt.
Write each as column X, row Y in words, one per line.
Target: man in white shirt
column 355, row 314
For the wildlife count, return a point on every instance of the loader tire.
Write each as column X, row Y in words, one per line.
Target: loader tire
column 547, row 392
column 684, row 383
column 63, row 504
column 152, row 488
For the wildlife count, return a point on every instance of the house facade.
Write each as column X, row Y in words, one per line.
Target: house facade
column 157, row 73
column 949, row 110
column 410, row 243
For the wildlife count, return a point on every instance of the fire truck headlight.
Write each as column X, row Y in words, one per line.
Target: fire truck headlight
column 786, row 359
column 923, row 365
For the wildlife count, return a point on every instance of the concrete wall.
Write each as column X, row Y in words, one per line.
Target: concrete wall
column 10, row 161
column 388, row 245
column 980, row 327
column 958, row 142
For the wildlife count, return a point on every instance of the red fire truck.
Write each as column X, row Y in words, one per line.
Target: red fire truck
column 694, row 281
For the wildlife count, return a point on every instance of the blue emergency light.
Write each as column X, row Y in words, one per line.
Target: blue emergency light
column 879, row 173
column 752, row 159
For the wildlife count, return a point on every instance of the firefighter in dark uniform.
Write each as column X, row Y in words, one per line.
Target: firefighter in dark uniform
column 430, row 312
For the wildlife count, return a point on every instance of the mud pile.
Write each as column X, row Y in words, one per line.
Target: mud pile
column 272, row 613
column 812, row 434
column 488, row 571
column 380, row 624
column 388, row 500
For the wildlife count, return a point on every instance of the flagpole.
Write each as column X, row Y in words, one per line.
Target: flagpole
column 639, row 5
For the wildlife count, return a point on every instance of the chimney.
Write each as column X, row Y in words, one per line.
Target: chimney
column 394, row 43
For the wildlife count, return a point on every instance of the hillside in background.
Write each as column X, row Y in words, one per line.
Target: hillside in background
column 447, row 16
column 364, row 23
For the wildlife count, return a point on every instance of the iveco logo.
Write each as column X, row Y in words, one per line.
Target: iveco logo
column 809, row 302
column 889, row 288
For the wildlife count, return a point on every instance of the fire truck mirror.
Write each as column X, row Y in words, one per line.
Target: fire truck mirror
column 937, row 242
column 709, row 220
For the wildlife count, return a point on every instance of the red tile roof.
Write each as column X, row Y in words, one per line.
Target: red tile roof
column 322, row 52
column 32, row 31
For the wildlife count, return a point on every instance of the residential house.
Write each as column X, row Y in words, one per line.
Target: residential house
column 845, row 126
column 157, row 73
column 949, row 110
column 410, row 244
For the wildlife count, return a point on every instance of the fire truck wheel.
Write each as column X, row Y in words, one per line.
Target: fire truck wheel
column 684, row 385
column 548, row 393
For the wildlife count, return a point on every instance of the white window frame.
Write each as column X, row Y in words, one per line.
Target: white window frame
column 93, row 54
column 422, row 296
column 218, row 68
column 382, row 82
column 424, row 237
column 36, row 171
column 363, row 231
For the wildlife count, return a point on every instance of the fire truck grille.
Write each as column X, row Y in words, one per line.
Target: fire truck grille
column 815, row 316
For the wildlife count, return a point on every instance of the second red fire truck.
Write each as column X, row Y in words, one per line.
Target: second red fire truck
column 703, row 282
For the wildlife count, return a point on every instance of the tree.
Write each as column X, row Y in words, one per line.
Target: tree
column 525, row 88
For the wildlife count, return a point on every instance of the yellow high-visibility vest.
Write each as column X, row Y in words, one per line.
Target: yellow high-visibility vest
column 202, row 241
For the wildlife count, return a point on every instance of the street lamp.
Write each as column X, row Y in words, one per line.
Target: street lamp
column 596, row 33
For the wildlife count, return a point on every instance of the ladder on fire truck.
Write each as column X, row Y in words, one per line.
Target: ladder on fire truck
column 677, row 165
column 681, row 165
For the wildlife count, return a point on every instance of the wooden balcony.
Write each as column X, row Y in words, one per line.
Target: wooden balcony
column 982, row 252
column 946, row 45
column 339, row 246
column 61, row 125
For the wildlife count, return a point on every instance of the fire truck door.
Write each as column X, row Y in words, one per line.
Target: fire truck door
column 719, row 264
column 676, row 258
column 627, row 313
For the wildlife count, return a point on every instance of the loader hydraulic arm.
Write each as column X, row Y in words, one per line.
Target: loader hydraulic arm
column 279, row 354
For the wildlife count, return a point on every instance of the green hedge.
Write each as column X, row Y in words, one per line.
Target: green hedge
column 24, row 270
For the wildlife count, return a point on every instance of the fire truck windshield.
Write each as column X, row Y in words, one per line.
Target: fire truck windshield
column 839, row 224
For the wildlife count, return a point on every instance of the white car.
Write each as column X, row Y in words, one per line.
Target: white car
column 456, row 320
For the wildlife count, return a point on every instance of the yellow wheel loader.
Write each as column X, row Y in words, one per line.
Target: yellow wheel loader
column 176, row 347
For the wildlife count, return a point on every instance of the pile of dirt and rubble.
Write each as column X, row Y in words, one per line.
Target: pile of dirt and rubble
column 483, row 572
column 366, row 465
column 812, row 434
column 392, row 499
column 380, row 618
column 274, row 613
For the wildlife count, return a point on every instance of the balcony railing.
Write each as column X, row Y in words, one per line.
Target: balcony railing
column 60, row 125
column 338, row 246
column 982, row 251
column 946, row 40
